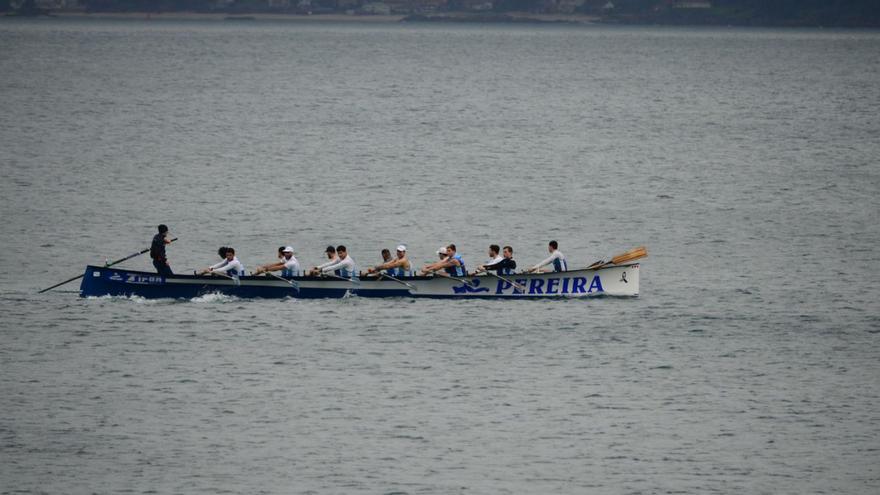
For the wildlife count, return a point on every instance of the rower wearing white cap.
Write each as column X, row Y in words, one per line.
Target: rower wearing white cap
column 287, row 263
column 442, row 253
column 451, row 263
column 344, row 268
column 399, row 267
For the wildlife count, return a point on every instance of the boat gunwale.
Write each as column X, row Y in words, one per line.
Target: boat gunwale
column 360, row 279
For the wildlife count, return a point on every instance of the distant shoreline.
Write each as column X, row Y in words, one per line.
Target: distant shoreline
column 217, row 16
column 451, row 17
column 446, row 17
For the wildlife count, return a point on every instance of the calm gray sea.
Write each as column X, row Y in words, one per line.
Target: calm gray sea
column 745, row 159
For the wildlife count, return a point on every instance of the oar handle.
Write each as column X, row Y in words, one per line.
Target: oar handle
column 142, row 251
column 337, row 276
column 465, row 282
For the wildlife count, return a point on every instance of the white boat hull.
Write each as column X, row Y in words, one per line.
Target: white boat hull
column 610, row 281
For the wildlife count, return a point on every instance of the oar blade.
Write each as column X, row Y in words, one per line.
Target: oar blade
column 631, row 255
column 60, row 284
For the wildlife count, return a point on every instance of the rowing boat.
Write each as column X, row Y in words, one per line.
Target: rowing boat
column 617, row 280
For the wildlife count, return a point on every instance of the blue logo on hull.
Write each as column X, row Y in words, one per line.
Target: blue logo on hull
column 474, row 287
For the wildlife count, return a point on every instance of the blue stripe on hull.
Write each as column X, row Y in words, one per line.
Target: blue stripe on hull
column 101, row 281
column 110, row 282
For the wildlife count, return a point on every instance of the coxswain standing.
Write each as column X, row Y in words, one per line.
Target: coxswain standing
column 229, row 266
column 157, row 251
column 399, row 267
column 344, row 267
column 288, row 264
column 556, row 257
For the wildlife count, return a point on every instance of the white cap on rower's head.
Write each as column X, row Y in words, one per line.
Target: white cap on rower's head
column 401, row 248
column 288, row 249
column 442, row 250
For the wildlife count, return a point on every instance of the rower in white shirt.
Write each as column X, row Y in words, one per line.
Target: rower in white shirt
column 494, row 257
column 331, row 256
column 398, row 267
column 344, row 267
column 230, row 266
column 556, row 258
column 288, row 264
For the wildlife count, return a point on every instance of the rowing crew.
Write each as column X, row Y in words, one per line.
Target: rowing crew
column 451, row 263
column 340, row 265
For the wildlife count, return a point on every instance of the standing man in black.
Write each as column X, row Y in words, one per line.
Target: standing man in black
column 157, row 251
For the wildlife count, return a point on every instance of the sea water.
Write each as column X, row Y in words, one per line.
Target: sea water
column 744, row 159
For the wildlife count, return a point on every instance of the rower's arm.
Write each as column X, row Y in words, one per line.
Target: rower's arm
column 329, row 263
column 346, row 263
column 229, row 266
column 325, row 268
column 546, row 261
column 449, row 262
column 271, row 267
column 398, row 263
column 493, row 266
column 386, row 265
column 433, row 267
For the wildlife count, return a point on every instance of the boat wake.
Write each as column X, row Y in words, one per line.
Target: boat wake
column 214, row 297
column 133, row 298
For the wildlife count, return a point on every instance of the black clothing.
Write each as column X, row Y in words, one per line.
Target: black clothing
column 507, row 265
column 157, row 252
column 162, row 268
column 157, row 248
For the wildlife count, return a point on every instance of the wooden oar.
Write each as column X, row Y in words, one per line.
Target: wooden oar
column 519, row 287
column 333, row 275
column 291, row 282
column 465, row 282
column 106, row 265
column 631, row 255
column 235, row 280
column 411, row 286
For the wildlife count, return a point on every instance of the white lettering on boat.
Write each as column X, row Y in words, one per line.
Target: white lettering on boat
column 143, row 279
